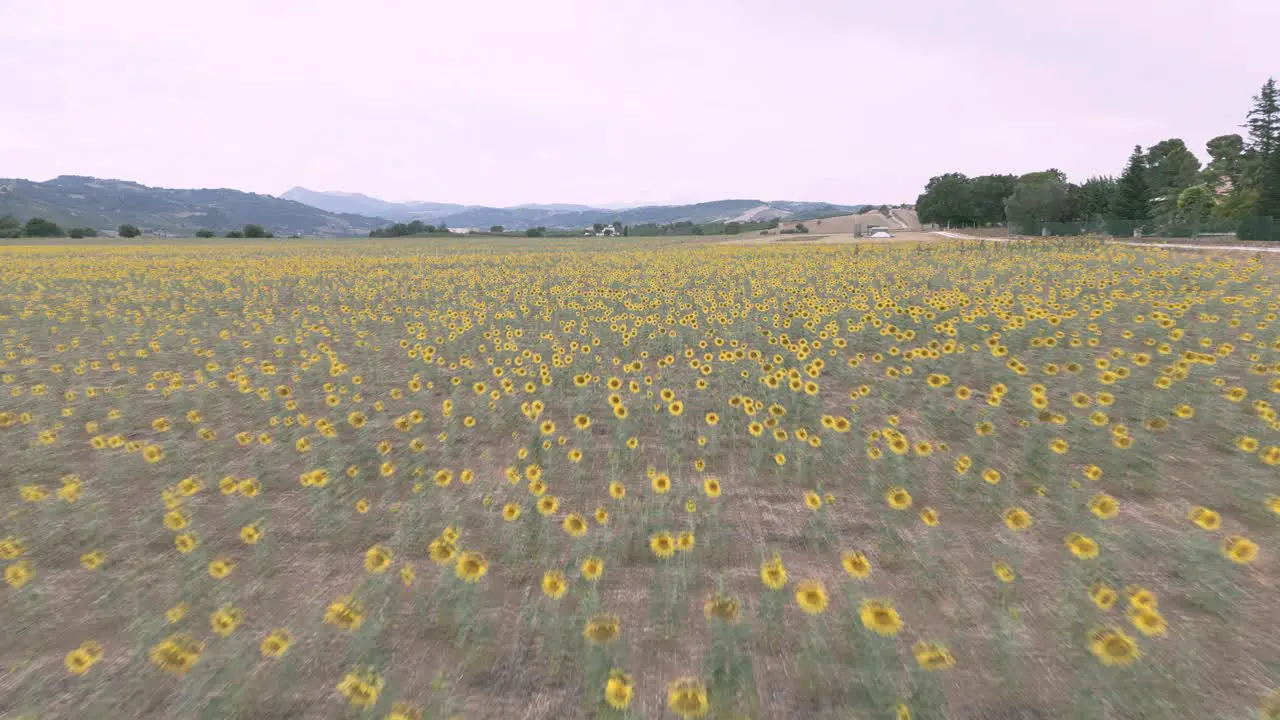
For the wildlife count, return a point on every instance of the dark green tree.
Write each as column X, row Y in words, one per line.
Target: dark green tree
column 39, row 227
column 10, row 227
column 1171, row 168
column 204, row 233
column 1226, row 158
column 947, row 200
column 81, row 232
column 535, row 232
column 496, row 229
column 1096, row 198
column 234, row 234
column 1196, row 203
column 128, row 231
column 254, row 231
column 1132, row 206
column 1263, row 120
column 1038, row 198
column 989, row 193
column 1268, row 202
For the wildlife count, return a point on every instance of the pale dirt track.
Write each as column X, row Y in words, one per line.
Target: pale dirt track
column 1180, row 246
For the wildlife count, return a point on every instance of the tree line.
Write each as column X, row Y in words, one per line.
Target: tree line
column 1163, row 188
column 12, row 227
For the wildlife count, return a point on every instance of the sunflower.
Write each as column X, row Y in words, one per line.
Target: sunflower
column 898, row 498
column 1205, row 518
column 601, row 629
column 813, row 500
column 575, row 525
column 511, row 512
column 592, row 568
column 773, row 574
column 1003, row 571
column 377, row 559
column 661, row 483
column 1015, row 518
column 880, row 617
column 225, row 620
column 722, row 607
column 1103, row 596
column 617, row 490
column 856, row 564
column 219, row 568
column 932, row 656
column 276, row 643
column 176, row 653
column 1104, row 506
column 602, row 516
column 685, row 541
column 553, row 584
column 442, row 552
column 929, row 517
column 471, row 567
column 346, row 613
column 1149, row 622
column 811, row 596
column 1093, row 472
column 618, row 690
column 361, row 687
column 991, row 476
column 1140, row 597
column 687, row 697
column 1239, row 549
column 1113, row 647
column 1082, row 546
column 548, row 504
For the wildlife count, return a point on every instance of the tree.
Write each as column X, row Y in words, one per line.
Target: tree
column 128, row 231
column 81, row 232
column 597, row 228
column 1268, row 203
column 10, row 227
column 535, row 232
column 254, row 231
column 1096, row 198
column 733, row 228
column 39, row 227
column 1038, row 198
column 989, row 193
column 1132, row 204
column 496, row 229
column 1196, row 203
column 234, row 234
column 617, row 227
column 1263, row 120
column 204, row 233
column 1171, row 168
column 947, row 200
column 1226, row 157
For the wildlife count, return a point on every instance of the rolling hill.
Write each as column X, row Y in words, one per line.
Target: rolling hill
column 79, row 201
column 566, row 216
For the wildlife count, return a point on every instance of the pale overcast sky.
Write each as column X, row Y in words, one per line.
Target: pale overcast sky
column 608, row 101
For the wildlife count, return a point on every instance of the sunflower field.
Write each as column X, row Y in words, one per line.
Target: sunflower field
column 620, row 479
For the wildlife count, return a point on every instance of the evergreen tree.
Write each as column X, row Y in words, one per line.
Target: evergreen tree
column 1133, row 197
column 1264, row 121
column 1268, row 203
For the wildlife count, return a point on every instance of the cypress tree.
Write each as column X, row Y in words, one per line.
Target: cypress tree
column 1133, row 196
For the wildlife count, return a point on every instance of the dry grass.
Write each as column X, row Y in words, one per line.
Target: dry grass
column 324, row 314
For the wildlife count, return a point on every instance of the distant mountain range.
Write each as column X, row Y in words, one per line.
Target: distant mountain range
column 565, row 216
column 79, row 201
column 104, row 205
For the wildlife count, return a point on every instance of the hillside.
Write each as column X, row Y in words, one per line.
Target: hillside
column 78, row 201
column 565, row 216
column 356, row 203
column 898, row 219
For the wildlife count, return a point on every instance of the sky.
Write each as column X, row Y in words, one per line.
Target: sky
column 615, row 101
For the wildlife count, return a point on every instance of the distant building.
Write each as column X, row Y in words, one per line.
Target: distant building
column 463, row 231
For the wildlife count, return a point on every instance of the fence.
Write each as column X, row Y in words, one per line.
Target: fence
column 1250, row 228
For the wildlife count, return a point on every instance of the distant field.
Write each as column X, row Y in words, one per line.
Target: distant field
column 404, row 478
